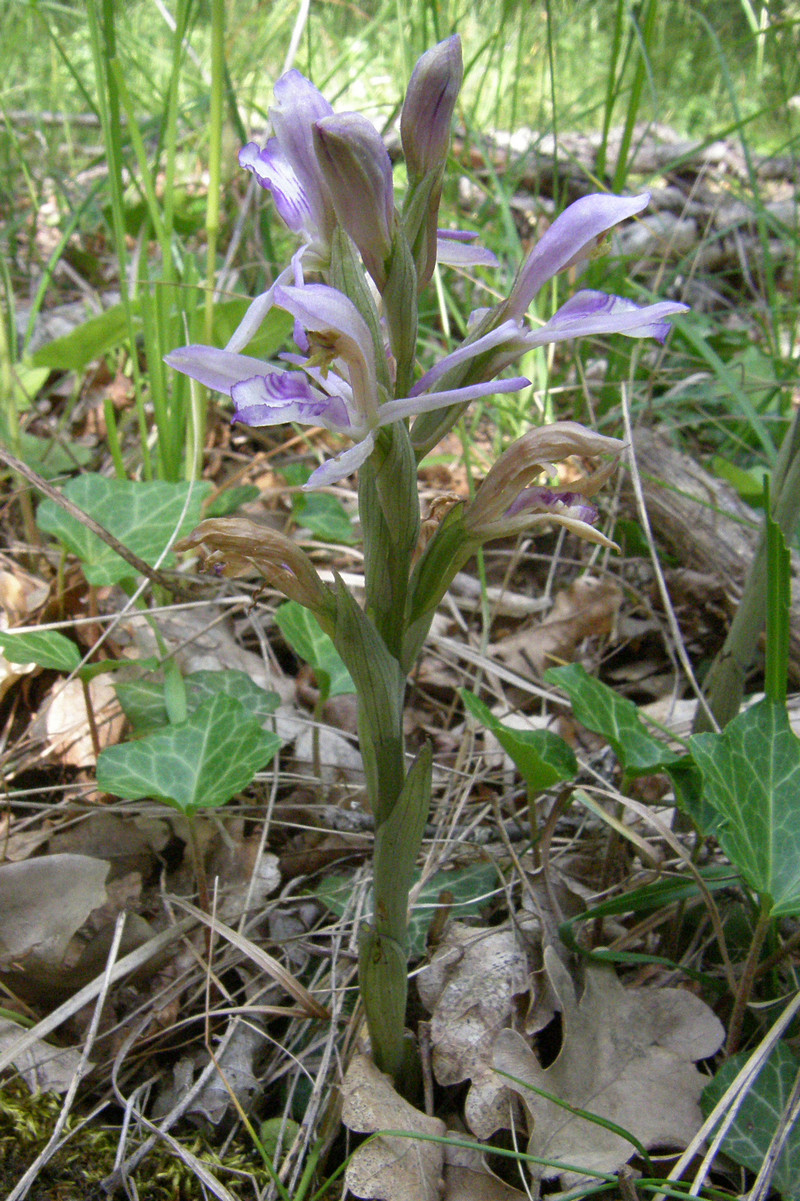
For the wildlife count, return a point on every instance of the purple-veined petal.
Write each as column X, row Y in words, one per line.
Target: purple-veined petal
column 395, row 410
column 344, row 464
column 571, row 236
column 495, row 337
column 298, row 105
column 286, row 396
column 591, row 312
column 217, row 369
column 274, row 172
column 453, row 249
column 329, row 313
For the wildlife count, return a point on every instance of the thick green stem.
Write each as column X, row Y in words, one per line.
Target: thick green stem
column 383, row 946
column 371, row 645
column 388, row 502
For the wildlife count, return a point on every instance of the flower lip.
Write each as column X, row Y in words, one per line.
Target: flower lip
column 286, row 396
column 550, row 500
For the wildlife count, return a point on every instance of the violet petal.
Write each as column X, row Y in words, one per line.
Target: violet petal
column 571, row 235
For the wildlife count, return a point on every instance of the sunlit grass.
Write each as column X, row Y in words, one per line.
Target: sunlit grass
column 728, row 69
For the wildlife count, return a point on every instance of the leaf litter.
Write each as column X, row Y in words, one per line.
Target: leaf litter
column 480, row 983
column 470, row 988
column 628, row 1056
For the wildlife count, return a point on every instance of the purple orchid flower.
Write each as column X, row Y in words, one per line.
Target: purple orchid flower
column 335, row 387
column 571, row 237
column 428, row 107
column 287, row 166
column 508, row 503
column 316, row 161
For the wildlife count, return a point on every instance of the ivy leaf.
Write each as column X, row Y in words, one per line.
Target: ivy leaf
column 541, row 757
column 305, row 636
column 687, row 782
column 197, row 764
column 49, row 457
column 144, row 706
column 143, row 515
column 598, row 707
column 758, row 1116
column 258, row 703
column 324, row 515
column 751, row 778
column 46, row 648
column 231, row 499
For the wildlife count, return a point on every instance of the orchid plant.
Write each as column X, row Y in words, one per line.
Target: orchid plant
column 352, row 288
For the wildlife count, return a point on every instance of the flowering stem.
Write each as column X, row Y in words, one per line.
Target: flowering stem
column 388, row 502
column 371, row 645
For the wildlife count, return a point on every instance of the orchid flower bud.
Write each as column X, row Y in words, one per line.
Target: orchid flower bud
column 234, row 546
column 505, row 504
column 428, row 107
column 425, row 134
column 358, row 172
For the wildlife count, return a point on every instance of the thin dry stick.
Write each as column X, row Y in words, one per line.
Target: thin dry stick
column 155, row 576
column 23, row 1185
column 129, row 963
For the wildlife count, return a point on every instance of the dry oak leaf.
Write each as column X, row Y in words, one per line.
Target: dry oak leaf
column 626, row 1056
column 389, row 1169
column 588, row 608
column 467, row 1178
column 65, row 721
column 43, row 902
column 43, row 1067
column 469, row 988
